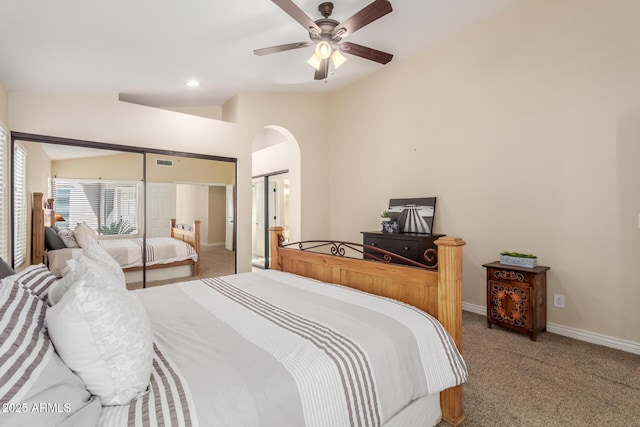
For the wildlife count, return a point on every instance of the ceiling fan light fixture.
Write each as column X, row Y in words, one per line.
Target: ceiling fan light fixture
column 314, row 61
column 323, row 50
column 338, row 59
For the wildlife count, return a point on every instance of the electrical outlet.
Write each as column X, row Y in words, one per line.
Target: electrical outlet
column 558, row 300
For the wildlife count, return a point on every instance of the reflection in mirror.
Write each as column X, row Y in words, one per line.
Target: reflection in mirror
column 175, row 224
column 190, row 190
column 100, row 188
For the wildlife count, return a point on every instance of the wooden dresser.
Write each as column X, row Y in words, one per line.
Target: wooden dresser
column 517, row 298
column 408, row 245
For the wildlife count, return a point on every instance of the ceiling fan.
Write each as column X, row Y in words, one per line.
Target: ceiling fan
column 327, row 34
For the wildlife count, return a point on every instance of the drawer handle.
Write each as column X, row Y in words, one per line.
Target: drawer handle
column 373, row 244
column 406, row 248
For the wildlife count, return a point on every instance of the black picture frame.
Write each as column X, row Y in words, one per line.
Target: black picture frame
column 426, row 206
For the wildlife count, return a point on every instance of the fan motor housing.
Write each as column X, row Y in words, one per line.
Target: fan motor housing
column 326, row 9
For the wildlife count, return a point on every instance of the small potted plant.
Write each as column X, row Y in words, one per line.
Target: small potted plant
column 388, row 225
column 518, row 259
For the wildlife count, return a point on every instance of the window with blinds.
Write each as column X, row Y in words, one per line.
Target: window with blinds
column 4, row 196
column 20, row 205
column 108, row 207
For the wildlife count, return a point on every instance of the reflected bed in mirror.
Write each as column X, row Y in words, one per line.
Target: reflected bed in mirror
column 173, row 256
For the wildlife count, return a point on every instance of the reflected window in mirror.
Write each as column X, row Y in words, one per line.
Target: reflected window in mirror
column 109, row 207
column 20, row 206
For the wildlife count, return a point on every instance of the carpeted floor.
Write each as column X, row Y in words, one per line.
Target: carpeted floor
column 556, row 381
column 214, row 262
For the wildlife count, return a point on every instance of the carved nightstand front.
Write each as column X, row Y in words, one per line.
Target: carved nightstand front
column 517, row 298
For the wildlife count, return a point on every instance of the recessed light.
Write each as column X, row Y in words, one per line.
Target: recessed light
column 193, row 83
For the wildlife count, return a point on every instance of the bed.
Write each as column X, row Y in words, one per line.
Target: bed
column 274, row 347
column 164, row 257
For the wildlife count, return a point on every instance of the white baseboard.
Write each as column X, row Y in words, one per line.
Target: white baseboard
column 591, row 337
column 473, row 308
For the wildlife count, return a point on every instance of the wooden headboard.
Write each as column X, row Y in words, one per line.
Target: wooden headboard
column 41, row 216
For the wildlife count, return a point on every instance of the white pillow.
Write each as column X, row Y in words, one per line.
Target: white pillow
column 97, row 253
column 81, row 267
column 83, row 233
column 104, row 336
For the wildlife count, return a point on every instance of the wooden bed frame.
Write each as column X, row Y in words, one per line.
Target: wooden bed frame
column 439, row 293
column 44, row 217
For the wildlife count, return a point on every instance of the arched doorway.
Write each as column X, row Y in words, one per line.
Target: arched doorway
column 276, row 192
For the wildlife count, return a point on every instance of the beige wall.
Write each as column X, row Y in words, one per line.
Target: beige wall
column 4, row 106
column 211, row 112
column 186, row 169
column 124, row 167
column 526, row 128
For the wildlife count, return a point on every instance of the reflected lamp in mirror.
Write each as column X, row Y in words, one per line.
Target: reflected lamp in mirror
column 58, row 218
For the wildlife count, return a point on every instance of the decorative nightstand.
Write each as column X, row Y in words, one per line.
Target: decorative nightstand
column 517, row 298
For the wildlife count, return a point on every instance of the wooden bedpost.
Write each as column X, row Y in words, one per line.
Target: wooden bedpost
column 449, row 309
column 37, row 229
column 50, row 214
column 274, row 239
column 190, row 236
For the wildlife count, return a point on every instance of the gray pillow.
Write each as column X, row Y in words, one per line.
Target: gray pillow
column 5, row 269
column 67, row 238
column 51, row 239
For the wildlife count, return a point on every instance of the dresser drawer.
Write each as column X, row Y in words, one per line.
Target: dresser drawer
column 408, row 245
column 406, row 248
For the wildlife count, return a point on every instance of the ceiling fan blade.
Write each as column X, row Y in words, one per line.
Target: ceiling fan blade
column 323, row 72
column 367, row 15
column 366, row 52
column 296, row 13
column 281, row 48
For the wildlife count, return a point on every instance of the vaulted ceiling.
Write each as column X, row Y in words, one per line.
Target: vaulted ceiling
column 148, row 50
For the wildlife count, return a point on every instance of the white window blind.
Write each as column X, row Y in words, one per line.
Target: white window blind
column 4, row 196
column 20, row 205
column 108, row 207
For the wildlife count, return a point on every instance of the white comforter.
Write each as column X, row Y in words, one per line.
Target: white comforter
column 128, row 252
column 274, row 349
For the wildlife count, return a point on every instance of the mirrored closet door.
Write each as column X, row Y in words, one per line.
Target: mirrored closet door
column 165, row 217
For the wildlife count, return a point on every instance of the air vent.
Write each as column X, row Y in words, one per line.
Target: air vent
column 167, row 163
